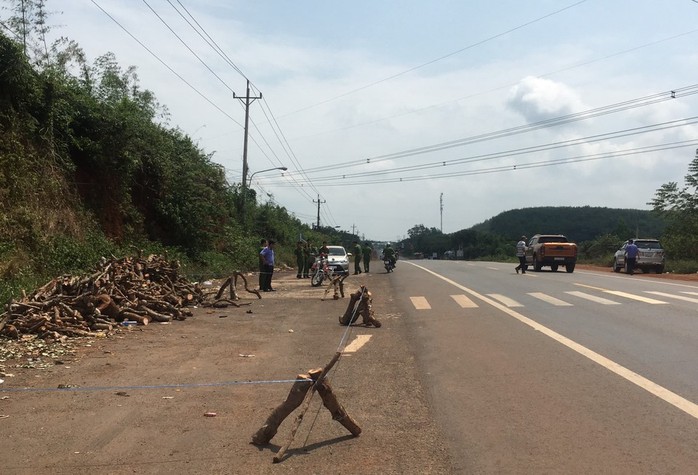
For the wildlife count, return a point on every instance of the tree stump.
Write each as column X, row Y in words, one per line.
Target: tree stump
column 359, row 304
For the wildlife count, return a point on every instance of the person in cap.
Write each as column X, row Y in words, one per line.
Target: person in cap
column 521, row 254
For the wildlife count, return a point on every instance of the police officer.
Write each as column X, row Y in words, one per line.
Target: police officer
column 358, row 254
column 368, row 252
column 300, row 259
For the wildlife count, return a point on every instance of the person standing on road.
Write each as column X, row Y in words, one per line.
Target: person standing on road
column 631, row 252
column 309, row 252
column 300, row 259
column 521, row 254
column 358, row 254
column 268, row 256
column 262, row 244
column 368, row 252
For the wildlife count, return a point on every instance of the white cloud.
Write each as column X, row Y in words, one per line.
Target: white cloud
column 540, row 99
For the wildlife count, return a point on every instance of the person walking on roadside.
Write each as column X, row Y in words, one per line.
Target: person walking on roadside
column 368, row 252
column 521, row 254
column 262, row 244
column 358, row 255
column 268, row 269
column 631, row 252
column 300, row 259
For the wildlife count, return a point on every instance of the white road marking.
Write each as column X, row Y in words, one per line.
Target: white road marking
column 677, row 297
column 593, row 298
column 355, row 345
column 420, row 303
column 651, row 387
column 689, row 293
column 493, row 268
column 505, row 300
column 550, row 299
column 624, row 294
column 634, row 297
column 464, row 301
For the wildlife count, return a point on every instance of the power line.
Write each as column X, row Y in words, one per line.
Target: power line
column 505, row 86
column 523, row 166
column 184, row 43
column 591, row 113
column 473, row 45
column 166, row 65
column 346, row 178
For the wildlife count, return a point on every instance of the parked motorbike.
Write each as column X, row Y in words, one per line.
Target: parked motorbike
column 320, row 271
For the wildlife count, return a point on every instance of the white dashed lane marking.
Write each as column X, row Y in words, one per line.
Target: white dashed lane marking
column 677, row 297
column 592, row 298
column 634, row 297
column 464, row 301
column 356, row 344
column 420, row 303
column 505, row 300
column 550, row 299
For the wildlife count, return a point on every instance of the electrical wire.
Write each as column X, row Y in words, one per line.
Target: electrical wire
column 473, row 45
column 543, row 124
column 523, row 150
column 166, row 65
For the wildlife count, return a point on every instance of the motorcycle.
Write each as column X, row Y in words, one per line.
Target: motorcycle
column 320, row 271
column 389, row 264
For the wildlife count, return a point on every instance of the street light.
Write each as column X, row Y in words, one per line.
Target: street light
column 267, row 170
column 244, row 189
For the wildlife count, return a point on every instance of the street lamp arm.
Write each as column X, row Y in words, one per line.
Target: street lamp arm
column 267, row 170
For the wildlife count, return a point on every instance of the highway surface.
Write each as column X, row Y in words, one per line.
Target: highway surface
column 554, row 372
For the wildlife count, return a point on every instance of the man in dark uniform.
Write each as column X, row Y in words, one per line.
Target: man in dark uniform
column 300, row 259
column 367, row 251
column 358, row 254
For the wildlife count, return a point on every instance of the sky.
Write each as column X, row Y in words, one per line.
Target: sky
column 399, row 113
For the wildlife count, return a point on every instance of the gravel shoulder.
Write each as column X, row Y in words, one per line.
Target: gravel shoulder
column 135, row 402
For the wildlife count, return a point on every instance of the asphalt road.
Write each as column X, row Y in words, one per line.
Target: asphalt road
column 554, row 372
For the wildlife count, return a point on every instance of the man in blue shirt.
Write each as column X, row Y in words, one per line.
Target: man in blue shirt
column 267, row 255
column 631, row 252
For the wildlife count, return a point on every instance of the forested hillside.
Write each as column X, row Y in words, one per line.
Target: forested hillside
column 89, row 167
column 580, row 224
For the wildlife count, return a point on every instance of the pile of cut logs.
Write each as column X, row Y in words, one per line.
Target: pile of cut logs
column 132, row 290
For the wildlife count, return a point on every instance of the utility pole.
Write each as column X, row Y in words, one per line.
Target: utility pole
column 441, row 201
column 247, row 100
column 319, row 202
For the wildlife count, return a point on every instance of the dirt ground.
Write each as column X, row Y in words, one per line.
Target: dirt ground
column 186, row 397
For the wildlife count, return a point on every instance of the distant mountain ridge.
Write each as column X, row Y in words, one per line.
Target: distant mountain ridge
column 583, row 223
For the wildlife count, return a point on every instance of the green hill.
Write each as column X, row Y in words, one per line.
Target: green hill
column 583, row 223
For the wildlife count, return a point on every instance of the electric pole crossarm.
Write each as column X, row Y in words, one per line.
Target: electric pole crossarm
column 319, row 202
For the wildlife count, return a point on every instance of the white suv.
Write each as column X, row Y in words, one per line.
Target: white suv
column 651, row 256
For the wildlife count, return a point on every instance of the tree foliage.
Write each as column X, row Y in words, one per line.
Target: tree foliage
column 679, row 206
column 89, row 166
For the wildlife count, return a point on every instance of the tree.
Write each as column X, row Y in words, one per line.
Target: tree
column 680, row 208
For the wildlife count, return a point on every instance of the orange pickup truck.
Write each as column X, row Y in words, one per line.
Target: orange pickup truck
column 551, row 250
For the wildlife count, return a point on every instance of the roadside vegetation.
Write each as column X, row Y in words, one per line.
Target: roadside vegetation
column 90, row 167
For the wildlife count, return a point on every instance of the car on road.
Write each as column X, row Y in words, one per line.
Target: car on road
column 338, row 259
column 552, row 250
column 650, row 257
